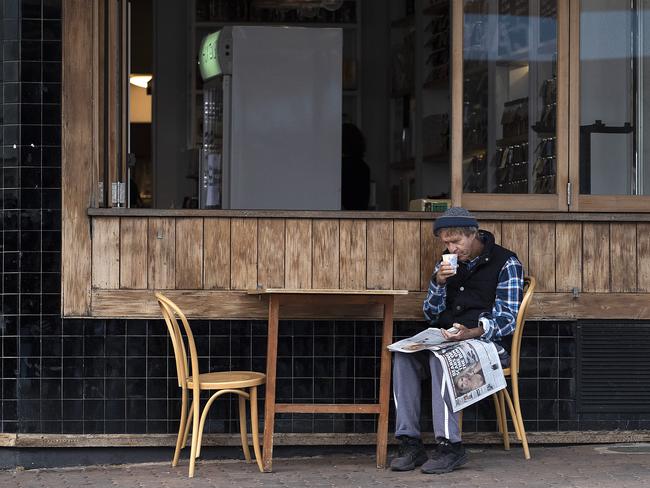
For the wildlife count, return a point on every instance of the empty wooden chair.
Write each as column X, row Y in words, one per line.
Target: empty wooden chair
column 242, row 383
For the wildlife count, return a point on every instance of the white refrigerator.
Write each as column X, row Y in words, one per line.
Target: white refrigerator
column 271, row 118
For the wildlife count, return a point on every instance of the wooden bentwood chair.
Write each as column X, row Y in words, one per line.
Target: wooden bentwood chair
column 242, row 383
column 502, row 397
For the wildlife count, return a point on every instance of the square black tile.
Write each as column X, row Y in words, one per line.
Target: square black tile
column 31, row 9
column 51, row 50
column 31, row 29
column 31, row 72
column 52, row 30
column 30, row 50
column 51, row 9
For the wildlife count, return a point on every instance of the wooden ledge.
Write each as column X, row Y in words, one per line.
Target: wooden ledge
column 239, row 305
column 335, row 214
column 169, row 440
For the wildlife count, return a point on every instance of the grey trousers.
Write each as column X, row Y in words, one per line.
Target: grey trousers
column 409, row 370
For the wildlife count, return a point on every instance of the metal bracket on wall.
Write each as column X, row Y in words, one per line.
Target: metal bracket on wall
column 118, row 194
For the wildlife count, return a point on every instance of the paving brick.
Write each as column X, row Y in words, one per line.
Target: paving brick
column 565, row 466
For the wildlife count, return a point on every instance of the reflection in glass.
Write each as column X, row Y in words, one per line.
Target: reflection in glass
column 613, row 73
column 509, row 96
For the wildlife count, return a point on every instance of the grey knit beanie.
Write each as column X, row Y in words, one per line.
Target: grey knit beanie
column 454, row 217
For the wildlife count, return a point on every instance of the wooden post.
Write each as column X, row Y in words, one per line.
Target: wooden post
column 384, row 382
column 271, row 361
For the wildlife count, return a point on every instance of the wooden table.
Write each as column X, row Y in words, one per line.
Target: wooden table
column 282, row 296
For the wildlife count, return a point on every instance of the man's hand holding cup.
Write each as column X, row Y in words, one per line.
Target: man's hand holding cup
column 447, row 268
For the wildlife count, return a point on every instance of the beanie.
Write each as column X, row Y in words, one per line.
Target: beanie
column 454, row 217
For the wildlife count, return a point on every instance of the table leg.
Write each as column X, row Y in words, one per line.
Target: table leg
column 269, row 402
column 384, row 383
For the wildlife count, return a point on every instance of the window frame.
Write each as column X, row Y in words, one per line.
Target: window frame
column 589, row 203
column 499, row 201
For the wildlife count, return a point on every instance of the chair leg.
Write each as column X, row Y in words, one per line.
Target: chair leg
column 497, row 409
column 504, row 421
column 182, row 427
column 186, row 432
column 255, row 428
column 520, row 419
column 196, row 434
column 513, row 414
column 242, row 428
column 517, row 419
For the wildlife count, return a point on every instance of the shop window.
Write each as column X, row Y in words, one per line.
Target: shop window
column 171, row 138
column 614, row 76
column 510, row 97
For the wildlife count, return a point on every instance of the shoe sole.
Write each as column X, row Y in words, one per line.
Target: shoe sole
column 459, row 462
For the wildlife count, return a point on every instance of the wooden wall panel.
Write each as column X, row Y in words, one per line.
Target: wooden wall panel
column 106, row 253
column 298, row 253
column 353, row 254
column 371, row 254
column 78, row 128
column 595, row 257
column 406, row 260
column 189, row 253
column 216, row 254
column 243, row 254
column 492, row 226
column 514, row 236
column 430, row 252
column 270, row 252
column 325, row 265
column 622, row 245
column 643, row 256
column 133, row 253
column 541, row 259
column 380, row 254
column 568, row 256
column 161, row 254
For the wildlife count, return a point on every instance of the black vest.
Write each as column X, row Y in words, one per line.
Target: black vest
column 470, row 293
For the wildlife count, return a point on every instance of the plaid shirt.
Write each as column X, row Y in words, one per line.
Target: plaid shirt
column 502, row 320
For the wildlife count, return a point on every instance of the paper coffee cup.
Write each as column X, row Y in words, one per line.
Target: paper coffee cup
column 451, row 259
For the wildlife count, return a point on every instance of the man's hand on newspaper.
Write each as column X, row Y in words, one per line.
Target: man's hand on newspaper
column 460, row 333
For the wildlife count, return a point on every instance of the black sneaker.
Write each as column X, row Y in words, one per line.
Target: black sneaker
column 447, row 457
column 411, row 453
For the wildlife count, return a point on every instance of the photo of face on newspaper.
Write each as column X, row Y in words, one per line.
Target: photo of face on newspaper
column 469, row 379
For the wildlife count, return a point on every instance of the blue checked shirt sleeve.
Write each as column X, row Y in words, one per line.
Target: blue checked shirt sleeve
column 510, row 290
column 434, row 303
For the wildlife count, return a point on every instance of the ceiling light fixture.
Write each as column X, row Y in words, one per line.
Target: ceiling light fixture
column 140, row 80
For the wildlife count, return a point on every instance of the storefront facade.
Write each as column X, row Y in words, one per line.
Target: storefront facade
column 85, row 353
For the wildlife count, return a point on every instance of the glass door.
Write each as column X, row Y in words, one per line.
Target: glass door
column 610, row 45
column 508, row 138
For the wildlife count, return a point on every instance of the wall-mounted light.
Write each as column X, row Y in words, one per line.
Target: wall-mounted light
column 139, row 99
column 140, row 80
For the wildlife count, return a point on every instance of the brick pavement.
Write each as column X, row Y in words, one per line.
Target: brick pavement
column 587, row 466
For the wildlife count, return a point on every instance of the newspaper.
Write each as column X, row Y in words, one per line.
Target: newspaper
column 471, row 368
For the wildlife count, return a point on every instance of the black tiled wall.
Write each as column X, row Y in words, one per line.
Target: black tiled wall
column 117, row 376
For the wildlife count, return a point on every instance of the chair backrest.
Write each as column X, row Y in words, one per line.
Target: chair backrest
column 171, row 313
column 529, row 288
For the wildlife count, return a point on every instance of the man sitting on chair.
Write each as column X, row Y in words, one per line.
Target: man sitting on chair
column 480, row 299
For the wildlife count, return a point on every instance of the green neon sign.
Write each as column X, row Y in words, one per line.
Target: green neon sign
column 208, row 57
